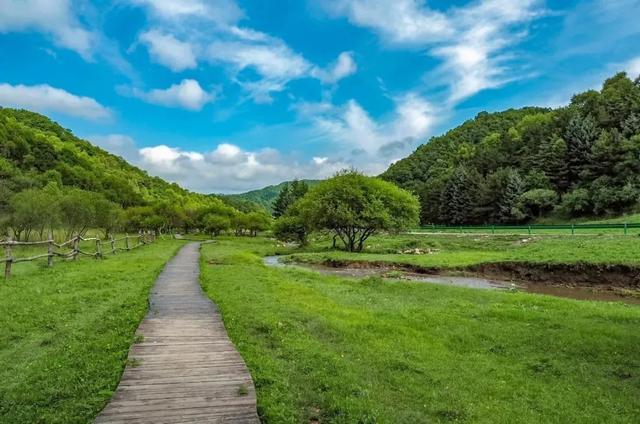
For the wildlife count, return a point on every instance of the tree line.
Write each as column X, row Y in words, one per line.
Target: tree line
column 35, row 211
column 518, row 165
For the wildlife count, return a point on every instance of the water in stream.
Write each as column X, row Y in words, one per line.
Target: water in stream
column 581, row 293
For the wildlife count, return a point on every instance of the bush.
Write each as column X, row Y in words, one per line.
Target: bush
column 289, row 228
column 251, row 222
column 575, row 203
column 538, row 201
column 215, row 224
column 611, row 199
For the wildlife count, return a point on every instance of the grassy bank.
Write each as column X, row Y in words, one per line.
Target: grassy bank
column 452, row 250
column 65, row 332
column 539, row 227
column 344, row 351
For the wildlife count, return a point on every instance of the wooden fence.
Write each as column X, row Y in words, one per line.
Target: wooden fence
column 572, row 229
column 72, row 247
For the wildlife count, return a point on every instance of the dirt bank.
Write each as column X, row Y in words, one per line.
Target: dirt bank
column 579, row 274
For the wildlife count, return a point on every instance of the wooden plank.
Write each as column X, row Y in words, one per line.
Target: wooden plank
column 185, row 369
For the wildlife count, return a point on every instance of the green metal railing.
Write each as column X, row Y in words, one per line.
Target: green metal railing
column 624, row 228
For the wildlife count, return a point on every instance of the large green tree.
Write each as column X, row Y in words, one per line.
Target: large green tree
column 354, row 207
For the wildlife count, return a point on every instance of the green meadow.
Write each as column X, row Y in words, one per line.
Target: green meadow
column 328, row 349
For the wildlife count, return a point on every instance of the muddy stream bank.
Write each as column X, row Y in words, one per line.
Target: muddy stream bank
column 618, row 283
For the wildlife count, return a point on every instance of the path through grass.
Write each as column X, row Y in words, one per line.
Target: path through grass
column 65, row 332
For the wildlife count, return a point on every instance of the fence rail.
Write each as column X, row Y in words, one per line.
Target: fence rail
column 529, row 229
column 74, row 245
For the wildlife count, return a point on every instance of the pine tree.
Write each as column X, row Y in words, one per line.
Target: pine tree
column 580, row 135
column 509, row 209
column 288, row 196
column 552, row 160
column 282, row 202
column 631, row 125
column 458, row 199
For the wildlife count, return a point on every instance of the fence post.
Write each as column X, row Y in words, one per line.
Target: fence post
column 76, row 247
column 98, row 249
column 113, row 244
column 529, row 229
column 126, row 241
column 8, row 260
column 50, row 249
column 573, row 229
column 493, row 229
column 625, row 228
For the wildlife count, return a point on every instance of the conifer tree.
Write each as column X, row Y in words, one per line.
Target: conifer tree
column 580, row 134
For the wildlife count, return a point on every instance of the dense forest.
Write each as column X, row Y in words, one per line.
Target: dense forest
column 518, row 165
column 51, row 178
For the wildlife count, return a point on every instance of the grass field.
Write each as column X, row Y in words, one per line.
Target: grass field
column 454, row 250
column 65, row 332
column 345, row 351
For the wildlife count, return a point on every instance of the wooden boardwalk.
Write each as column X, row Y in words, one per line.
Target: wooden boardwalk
column 185, row 369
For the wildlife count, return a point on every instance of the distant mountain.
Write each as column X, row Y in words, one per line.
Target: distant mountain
column 267, row 195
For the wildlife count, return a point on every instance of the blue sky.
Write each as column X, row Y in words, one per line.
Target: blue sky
column 230, row 95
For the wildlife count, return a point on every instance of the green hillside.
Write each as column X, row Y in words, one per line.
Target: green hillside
column 582, row 160
column 35, row 151
column 51, row 179
column 267, row 195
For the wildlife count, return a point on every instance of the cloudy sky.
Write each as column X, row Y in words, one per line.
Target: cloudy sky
column 230, row 95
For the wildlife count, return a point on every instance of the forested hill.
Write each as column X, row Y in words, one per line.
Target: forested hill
column 51, row 179
column 266, row 195
column 517, row 165
column 35, row 151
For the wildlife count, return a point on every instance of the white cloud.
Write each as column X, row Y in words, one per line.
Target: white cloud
column 221, row 12
column 415, row 116
column 225, row 168
column 188, row 32
column 398, row 21
column 53, row 17
column 168, row 159
column 351, row 137
column 118, row 144
column 344, row 66
column 44, row 98
column 228, row 168
column 167, row 50
column 272, row 60
column 187, row 95
column 353, row 127
column 227, row 153
column 470, row 40
column 633, row 68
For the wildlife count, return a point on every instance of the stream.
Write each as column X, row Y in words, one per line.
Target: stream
column 580, row 293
